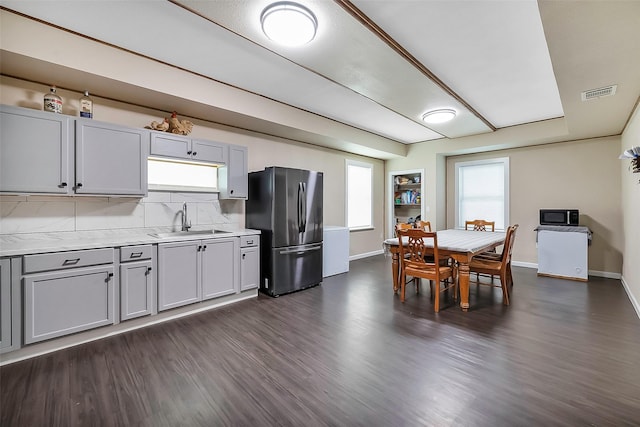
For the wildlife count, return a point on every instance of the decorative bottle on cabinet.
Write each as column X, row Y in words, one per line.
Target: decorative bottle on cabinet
column 52, row 102
column 86, row 106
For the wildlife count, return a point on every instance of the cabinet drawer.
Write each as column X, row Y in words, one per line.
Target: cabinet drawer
column 135, row 253
column 64, row 260
column 246, row 241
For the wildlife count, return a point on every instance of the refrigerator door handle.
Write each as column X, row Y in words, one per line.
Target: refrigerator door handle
column 300, row 251
column 302, row 207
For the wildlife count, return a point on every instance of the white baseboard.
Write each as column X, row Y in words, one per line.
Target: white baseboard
column 632, row 298
column 605, row 274
column 596, row 273
column 366, row 255
column 524, row 264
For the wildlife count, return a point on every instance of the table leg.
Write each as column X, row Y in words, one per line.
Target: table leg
column 395, row 271
column 463, row 277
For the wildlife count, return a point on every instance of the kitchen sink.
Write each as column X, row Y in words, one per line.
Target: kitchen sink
column 188, row 233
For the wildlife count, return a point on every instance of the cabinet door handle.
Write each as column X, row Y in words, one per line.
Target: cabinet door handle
column 148, row 270
column 231, row 191
column 109, row 276
column 244, row 255
column 204, row 248
column 189, row 152
column 78, row 185
column 135, row 255
column 199, row 248
column 195, row 152
column 71, row 261
column 62, row 185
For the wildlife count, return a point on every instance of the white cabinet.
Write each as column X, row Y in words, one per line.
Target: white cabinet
column 563, row 253
column 136, row 282
column 110, row 159
column 36, row 151
column 67, row 292
column 182, row 147
column 41, row 153
column 335, row 250
column 249, row 262
column 193, row 271
column 233, row 177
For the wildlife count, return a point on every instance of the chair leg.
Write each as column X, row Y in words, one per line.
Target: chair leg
column 403, row 283
column 436, row 302
column 505, row 288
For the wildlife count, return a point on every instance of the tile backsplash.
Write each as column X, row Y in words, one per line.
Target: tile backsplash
column 46, row 214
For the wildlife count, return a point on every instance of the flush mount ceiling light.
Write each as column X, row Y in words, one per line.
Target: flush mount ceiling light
column 439, row 116
column 288, row 23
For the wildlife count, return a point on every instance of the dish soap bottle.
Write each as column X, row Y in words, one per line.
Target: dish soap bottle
column 86, row 106
column 52, row 101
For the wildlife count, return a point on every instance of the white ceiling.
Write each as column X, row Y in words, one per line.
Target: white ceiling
column 377, row 66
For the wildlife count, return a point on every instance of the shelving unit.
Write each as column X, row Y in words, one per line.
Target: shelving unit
column 406, row 189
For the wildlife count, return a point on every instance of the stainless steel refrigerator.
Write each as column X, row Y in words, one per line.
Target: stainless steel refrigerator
column 286, row 205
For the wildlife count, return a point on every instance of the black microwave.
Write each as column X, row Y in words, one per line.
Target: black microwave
column 559, row 217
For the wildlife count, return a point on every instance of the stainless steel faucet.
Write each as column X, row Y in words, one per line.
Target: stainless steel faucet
column 186, row 224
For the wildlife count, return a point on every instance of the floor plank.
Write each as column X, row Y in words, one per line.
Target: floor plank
column 349, row 353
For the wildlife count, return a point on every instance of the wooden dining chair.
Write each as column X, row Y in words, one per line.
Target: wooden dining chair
column 412, row 256
column 480, row 225
column 423, row 225
column 497, row 265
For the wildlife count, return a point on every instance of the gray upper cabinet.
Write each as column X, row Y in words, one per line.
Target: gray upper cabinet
column 37, row 142
column 233, row 178
column 182, row 147
column 209, row 151
column 110, row 159
column 42, row 152
column 170, row 145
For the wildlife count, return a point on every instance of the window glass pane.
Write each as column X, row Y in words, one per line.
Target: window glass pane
column 168, row 174
column 482, row 192
column 359, row 195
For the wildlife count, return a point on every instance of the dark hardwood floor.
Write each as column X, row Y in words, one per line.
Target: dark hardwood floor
column 348, row 353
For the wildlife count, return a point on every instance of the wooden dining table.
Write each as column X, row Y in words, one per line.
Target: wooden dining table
column 461, row 245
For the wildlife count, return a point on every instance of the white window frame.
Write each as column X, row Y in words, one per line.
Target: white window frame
column 459, row 222
column 347, row 198
column 196, row 182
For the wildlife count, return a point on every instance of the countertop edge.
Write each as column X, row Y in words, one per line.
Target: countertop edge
column 60, row 242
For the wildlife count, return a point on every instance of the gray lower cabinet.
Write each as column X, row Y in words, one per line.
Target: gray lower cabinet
column 64, row 302
column 38, row 142
column 178, row 275
column 196, row 270
column 249, row 262
column 110, row 159
column 218, row 267
column 9, row 306
column 136, row 282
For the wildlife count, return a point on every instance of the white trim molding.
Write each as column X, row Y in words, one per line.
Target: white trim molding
column 365, row 255
column 634, row 301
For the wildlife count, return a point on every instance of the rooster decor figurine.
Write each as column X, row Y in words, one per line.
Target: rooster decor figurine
column 162, row 126
column 180, row 127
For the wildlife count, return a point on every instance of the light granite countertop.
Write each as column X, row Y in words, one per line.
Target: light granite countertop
column 34, row 243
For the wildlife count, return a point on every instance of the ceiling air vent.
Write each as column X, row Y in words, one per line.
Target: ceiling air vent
column 599, row 93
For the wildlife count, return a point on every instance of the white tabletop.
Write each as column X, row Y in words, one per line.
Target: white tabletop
column 462, row 240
